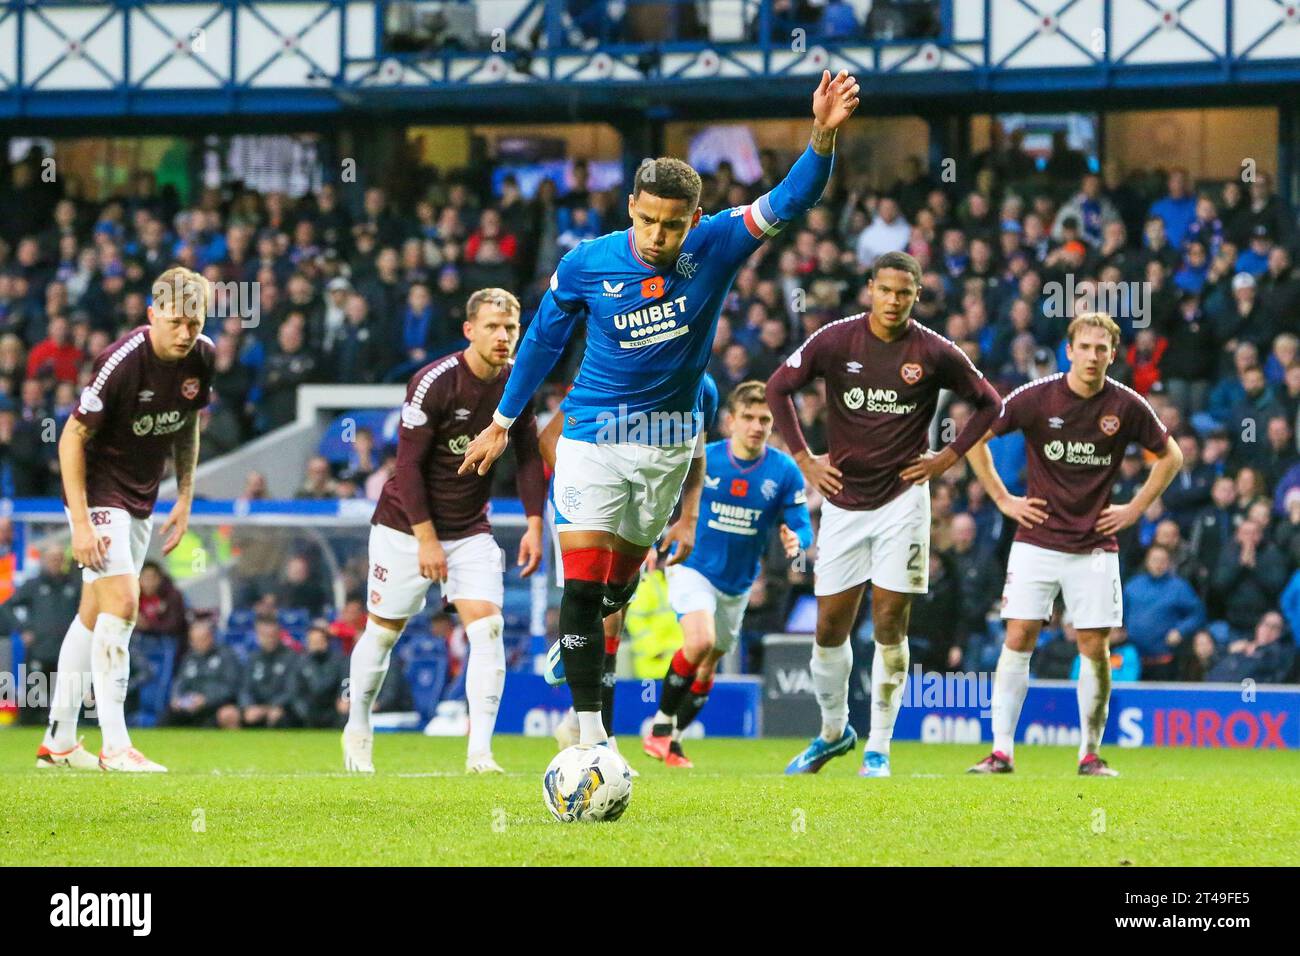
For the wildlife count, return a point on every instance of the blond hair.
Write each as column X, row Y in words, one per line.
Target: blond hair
column 181, row 291
column 1094, row 320
column 499, row 298
column 751, row 392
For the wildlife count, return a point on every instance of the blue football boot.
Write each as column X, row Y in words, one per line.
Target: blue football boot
column 819, row 751
column 554, row 672
column 874, row 764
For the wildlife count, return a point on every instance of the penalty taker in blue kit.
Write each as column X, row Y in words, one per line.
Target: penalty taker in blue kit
column 651, row 296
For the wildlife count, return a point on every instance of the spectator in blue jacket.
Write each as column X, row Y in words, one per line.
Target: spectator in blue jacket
column 1229, row 391
column 1248, row 579
column 1161, row 612
column 1177, row 210
column 1266, row 657
column 1125, row 665
column 1289, row 602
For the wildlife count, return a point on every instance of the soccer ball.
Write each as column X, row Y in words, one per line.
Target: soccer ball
column 587, row 784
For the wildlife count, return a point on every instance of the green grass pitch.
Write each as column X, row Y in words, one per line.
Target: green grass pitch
column 250, row 798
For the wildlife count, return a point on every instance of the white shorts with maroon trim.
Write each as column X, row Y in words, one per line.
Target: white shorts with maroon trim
column 552, row 523
column 128, row 541
column 1089, row 583
column 689, row 591
column 888, row 546
column 475, row 569
column 620, row 487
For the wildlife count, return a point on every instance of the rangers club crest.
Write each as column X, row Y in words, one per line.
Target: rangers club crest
column 911, row 373
column 190, row 389
column 1109, row 424
column 686, row 265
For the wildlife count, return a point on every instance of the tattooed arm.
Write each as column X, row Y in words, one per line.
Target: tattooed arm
column 88, row 548
column 185, row 453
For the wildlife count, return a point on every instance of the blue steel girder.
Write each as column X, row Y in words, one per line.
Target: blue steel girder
column 163, row 61
column 5, row 79
column 326, row 10
column 1181, row 29
column 109, row 15
column 1033, row 36
column 445, row 75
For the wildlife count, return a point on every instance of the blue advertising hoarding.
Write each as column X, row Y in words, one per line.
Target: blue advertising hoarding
column 532, row 707
column 956, row 709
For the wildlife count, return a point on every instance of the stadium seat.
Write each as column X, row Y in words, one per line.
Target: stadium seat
column 159, row 654
column 292, row 618
column 427, row 677
column 381, row 421
column 240, row 619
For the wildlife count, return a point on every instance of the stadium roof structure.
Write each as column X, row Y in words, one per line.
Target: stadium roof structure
column 197, row 60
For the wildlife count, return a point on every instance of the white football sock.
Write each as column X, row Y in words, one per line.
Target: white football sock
column 1010, row 685
column 366, row 671
column 830, row 668
column 661, row 718
column 71, row 682
column 485, row 679
column 570, row 722
column 888, row 673
column 591, row 729
column 111, row 671
column 1094, row 703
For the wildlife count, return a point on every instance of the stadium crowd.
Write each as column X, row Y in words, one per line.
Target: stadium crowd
column 366, row 287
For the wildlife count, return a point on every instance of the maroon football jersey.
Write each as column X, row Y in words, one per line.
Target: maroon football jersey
column 1073, row 448
column 135, row 405
column 446, row 406
column 880, row 399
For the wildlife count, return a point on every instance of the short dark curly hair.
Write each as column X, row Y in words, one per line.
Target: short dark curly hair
column 668, row 178
column 900, row 261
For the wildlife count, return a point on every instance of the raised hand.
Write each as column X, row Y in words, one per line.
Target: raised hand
column 835, row 99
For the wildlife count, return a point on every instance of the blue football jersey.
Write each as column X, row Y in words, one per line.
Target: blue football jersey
column 741, row 503
column 649, row 329
column 708, row 402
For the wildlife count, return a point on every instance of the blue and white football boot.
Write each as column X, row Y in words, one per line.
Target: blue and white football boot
column 554, row 672
column 819, row 751
column 874, row 764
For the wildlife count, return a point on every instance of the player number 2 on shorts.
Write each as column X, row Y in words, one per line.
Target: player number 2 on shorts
column 914, row 557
